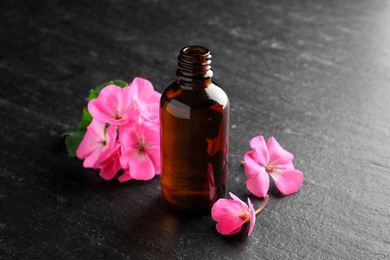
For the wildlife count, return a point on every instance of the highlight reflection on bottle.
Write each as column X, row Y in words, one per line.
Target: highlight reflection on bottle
column 194, row 116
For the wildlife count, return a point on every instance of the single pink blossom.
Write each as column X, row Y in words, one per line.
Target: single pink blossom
column 231, row 215
column 110, row 167
column 146, row 99
column 270, row 159
column 114, row 105
column 97, row 145
column 141, row 150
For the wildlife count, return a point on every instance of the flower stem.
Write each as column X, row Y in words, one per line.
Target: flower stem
column 262, row 205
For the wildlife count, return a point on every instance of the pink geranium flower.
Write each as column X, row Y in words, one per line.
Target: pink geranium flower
column 146, row 100
column 141, row 151
column 114, row 105
column 110, row 167
column 97, row 145
column 270, row 160
column 231, row 215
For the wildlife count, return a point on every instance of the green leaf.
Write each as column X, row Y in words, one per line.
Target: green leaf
column 95, row 92
column 92, row 94
column 72, row 141
column 119, row 83
column 86, row 119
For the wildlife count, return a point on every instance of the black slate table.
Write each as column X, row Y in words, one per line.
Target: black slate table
column 313, row 74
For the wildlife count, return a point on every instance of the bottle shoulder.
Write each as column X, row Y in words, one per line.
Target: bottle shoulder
column 209, row 96
column 215, row 92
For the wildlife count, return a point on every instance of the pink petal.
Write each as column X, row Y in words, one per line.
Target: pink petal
column 225, row 209
column 277, row 155
column 142, row 169
column 92, row 160
column 109, row 170
column 229, row 228
column 110, row 166
column 129, row 110
column 87, row 145
column 154, row 155
column 150, row 111
column 286, row 166
column 155, row 98
column 253, row 217
column 126, row 157
column 261, row 153
column 251, row 168
column 127, row 99
column 125, row 177
column 234, row 197
column 96, row 111
column 153, row 103
column 128, row 136
column 144, row 88
column 287, row 181
column 259, row 184
column 110, row 137
column 131, row 92
column 146, row 100
column 109, row 91
column 150, row 133
column 132, row 116
column 98, row 128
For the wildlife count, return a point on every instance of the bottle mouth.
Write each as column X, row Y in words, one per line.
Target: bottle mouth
column 195, row 51
column 194, row 66
column 194, row 58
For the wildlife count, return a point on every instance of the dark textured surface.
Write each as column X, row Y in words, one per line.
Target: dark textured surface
column 314, row 74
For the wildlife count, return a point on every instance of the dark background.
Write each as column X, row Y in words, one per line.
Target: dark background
column 313, row 74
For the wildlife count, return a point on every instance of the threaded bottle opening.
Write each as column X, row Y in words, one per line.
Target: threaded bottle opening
column 195, row 51
column 194, row 65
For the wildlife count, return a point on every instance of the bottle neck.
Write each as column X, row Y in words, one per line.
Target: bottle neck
column 194, row 70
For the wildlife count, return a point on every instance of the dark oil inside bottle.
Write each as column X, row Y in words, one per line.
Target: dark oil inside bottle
column 194, row 142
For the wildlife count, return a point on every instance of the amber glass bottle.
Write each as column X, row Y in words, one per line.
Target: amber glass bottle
column 194, row 114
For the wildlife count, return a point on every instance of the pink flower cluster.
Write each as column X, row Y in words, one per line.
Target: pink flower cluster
column 124, row 132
